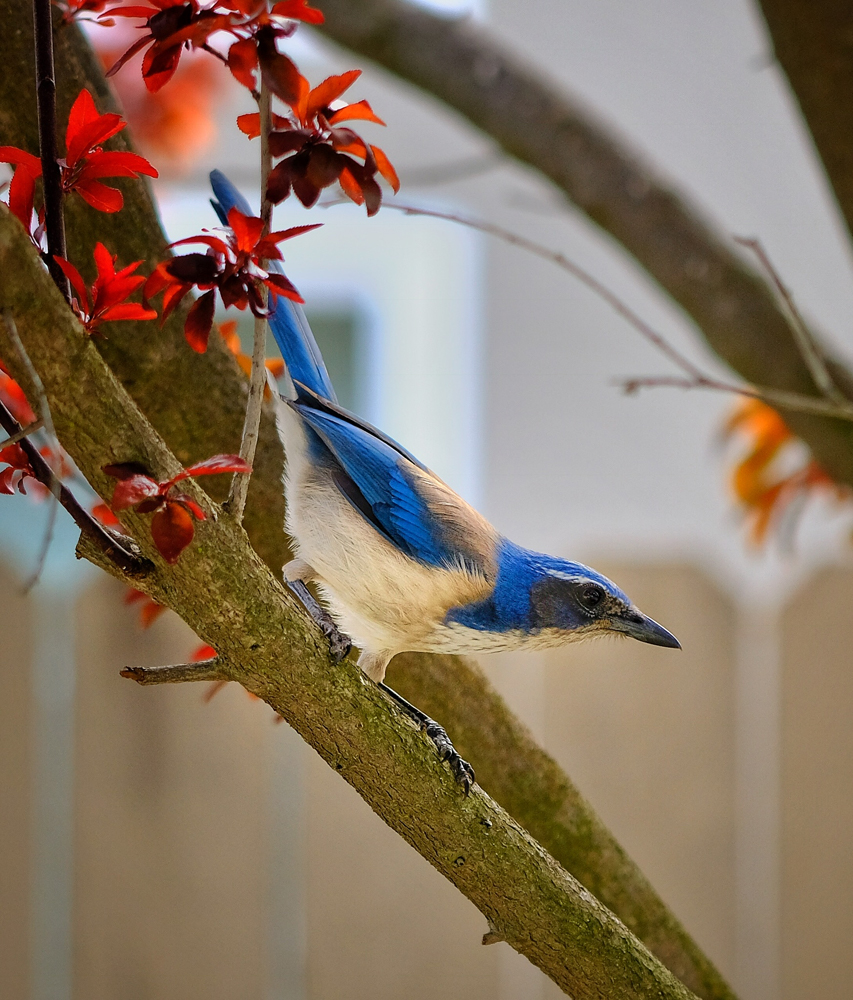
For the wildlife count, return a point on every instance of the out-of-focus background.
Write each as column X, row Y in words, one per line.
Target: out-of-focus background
column 156, row 845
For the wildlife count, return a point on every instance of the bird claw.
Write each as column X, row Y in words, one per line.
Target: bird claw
column 339, row 643
column 462, row 771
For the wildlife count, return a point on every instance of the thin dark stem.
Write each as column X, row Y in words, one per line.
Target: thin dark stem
column 46, row 93
column 777, row 398
column 815, row 362
column 129, row 562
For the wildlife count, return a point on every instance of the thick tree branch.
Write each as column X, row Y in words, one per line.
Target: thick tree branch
column 196, row 403
column 536, row 121
column 813, row 41
column 223, row 590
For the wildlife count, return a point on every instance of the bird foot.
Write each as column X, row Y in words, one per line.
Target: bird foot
column 339, row 643
column 461, row 769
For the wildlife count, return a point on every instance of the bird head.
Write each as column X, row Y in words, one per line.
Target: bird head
column 574, row 598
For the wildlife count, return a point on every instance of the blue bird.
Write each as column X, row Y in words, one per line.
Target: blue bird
column 402, row 561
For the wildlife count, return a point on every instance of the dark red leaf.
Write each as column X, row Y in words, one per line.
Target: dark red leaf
column 243, row 61
column 200, row 321
column 279, row 73
column 191, row 269
column 282, row 143
column 172, row 529
column 191, row 506
column 324, row 166
column 279, row 182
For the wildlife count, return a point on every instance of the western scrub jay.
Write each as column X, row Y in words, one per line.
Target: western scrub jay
column 404, row 563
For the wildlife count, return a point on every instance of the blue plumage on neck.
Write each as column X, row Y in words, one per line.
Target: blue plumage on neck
column 511, row 605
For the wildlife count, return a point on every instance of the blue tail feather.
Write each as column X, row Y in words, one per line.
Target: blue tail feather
column 287, row 319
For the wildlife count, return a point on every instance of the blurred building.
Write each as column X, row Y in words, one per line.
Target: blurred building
column 156, row 845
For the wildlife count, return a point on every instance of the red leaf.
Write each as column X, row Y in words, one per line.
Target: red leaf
column 200, row 321
column 360, row 111
column 22, row 189
column 204, row 652
column 76, row 279
column 384, row 166
column 246, row 228
column 129, row 492
column 172, row 529
column 282, row 143
column 18, row 157
column 330, row 90
column 213, row 466
column 279, row 73
column 191, row 506
column 243, row 61
column 99, row 196
column 298, row 10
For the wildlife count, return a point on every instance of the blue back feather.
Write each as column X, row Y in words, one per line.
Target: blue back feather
column 287, row 319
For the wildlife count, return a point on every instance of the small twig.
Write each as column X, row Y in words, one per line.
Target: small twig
column 815, row 362
column 51, row 178
column 560, row 259
column 777, row 398
column 36, row 425
column 236, row 502
column 836, row 405
column 202, row 670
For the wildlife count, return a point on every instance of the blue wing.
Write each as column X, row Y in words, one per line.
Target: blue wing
column 376, row 482
column 287, row 319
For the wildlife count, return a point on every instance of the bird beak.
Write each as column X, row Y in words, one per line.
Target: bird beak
column 638, row 626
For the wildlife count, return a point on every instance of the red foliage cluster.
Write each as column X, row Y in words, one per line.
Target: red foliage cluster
column 767, row 492
column 172, row 527
column 317, row 151
column 175, row 26
column 233, row 264
column 82, row 170
column 108, row 298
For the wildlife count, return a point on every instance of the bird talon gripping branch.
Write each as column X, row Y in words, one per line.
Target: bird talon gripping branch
column 403, row 562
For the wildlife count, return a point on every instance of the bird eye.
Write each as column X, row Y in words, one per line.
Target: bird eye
column 590, row 596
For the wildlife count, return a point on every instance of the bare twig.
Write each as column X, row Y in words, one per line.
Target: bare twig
column 202, row 670
column 236, row 502
column 36, row 425
column 777, row 398
column 840, row 408
column 562, row 261
column 46, row 93
column 805, row 342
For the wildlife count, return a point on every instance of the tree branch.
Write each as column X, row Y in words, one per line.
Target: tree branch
column 195, row 401
column 534, row 120
column 230, row 598
column 811, row 39
column 179, row 673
